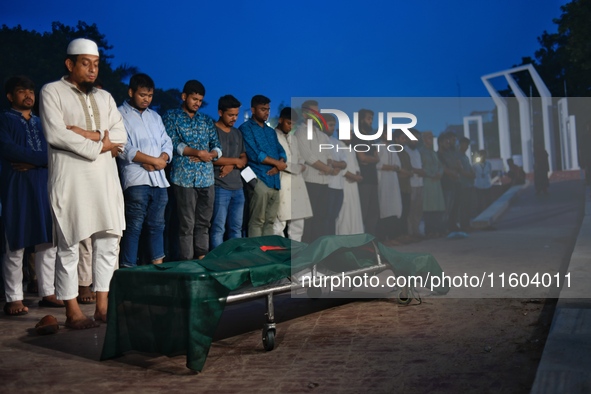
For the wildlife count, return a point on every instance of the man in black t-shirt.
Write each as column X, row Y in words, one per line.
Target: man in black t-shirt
column 228, row 205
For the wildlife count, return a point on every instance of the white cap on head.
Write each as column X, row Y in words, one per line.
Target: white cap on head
column 83, row 46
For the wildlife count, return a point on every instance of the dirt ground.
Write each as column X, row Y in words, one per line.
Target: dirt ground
column 442, row 345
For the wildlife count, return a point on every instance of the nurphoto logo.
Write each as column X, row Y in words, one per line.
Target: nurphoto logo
column 315, row 119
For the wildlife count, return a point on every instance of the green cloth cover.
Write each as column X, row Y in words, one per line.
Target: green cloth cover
column 174, row 308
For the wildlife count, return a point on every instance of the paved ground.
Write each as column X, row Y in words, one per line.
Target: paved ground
column 566, row 363
column 459, row 343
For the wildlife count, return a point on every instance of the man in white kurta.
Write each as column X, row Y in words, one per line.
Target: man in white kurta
column 84, row 131
column 294, row 203
column 315, row 176
column 389, row 195
column 350, row 220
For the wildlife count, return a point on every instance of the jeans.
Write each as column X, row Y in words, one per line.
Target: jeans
column 144, row 205
column 228, row 209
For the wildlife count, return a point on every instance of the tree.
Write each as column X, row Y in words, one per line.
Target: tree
column 564, row 59
column 40, row 56
column 166, row 99
column 564, row 64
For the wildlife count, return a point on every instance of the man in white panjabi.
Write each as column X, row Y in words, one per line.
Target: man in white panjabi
column 350, row 220
column 85, row 132
column 389, row 196
column 294, row 203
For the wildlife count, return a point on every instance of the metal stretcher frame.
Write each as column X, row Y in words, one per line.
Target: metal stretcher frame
column 270, row 327
column 174, row 308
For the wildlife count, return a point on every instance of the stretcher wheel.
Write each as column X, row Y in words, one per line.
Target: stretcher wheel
column 269, row 340
column 404, row 299
column 314, row 292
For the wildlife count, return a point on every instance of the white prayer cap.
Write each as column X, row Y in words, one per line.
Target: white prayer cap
column 83, row 46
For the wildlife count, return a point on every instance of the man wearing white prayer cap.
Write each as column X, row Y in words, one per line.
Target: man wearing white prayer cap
column 85, row 132
column 81, row 46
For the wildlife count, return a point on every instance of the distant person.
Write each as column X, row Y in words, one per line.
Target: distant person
column 541, row 169
column 389, row 227
column 516, row 173
column 142, row 163
column 466, row 193
column 267, row 158
column 318, row 170
column 482, row 181
column 416, row 183
column 404, row 174
column 85, row 132
column 433, row 200
column 294, row 203
column 368, row 185
column 450, row 182
column 336, row 178
column 350, row 219
column 196, row 146
column 228, row 207
column 26, row 214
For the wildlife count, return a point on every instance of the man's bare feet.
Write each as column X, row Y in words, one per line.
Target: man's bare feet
column 80, row 323
column 85, row 295
column 100, row 316
column 75, row 319
column 102, row 300
column 15, row 308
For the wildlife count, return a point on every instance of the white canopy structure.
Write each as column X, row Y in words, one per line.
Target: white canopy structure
column 524, row 116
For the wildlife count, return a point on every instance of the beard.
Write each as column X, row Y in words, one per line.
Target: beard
column 86, row 86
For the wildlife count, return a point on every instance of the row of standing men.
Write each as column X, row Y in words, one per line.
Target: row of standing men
column 70, row 152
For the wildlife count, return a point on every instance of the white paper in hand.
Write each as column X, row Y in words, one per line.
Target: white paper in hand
column 248, row 174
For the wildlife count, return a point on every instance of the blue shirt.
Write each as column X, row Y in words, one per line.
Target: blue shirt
column 482, row 171
column 259, row 143
column 145, row 134
column 198, row 133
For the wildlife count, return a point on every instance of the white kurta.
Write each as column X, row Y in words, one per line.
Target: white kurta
column 294, row 202
column 388, row 187
column 350, row 219
column 84, row 187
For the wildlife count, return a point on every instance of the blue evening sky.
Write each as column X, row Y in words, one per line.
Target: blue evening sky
column 309, row 48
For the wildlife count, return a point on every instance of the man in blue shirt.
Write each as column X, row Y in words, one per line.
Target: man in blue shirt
column 266, row 157
column 142, row 163
column 196, row 144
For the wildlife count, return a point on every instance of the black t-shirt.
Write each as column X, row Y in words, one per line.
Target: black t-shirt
column 232, row 146
column 367, row 171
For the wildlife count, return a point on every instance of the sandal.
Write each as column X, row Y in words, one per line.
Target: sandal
column 47, row 325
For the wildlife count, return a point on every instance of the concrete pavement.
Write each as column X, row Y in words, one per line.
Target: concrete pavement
column 466, row 342
column 566, row 363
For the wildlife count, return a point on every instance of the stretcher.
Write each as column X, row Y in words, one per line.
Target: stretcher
column 174, row 308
